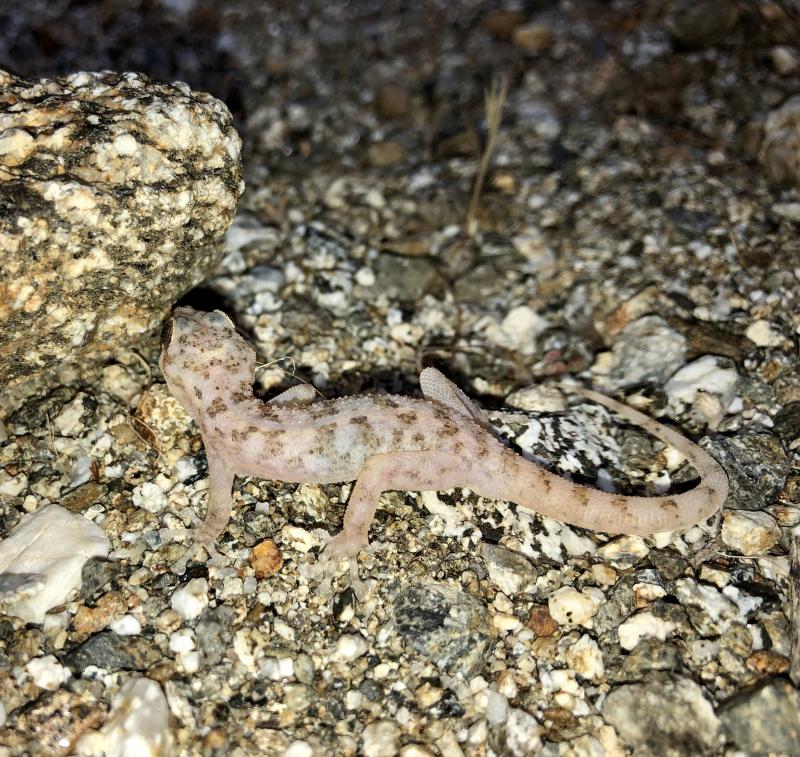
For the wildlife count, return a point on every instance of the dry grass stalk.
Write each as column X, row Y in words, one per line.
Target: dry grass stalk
column 494, row 101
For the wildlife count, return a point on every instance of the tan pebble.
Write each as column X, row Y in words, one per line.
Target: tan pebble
column 89, row 620
column 768, row 662
column 168, row 621
column 502, row 23
column 393, row 101
column 266, row 559
column 541, row 622
column 162, row 671
column 427, row 695
column 534, row 38
column 604, row 575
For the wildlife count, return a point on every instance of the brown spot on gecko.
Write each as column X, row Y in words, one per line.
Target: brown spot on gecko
column 448, row 429
column 359, row 420
column 409, row 417
column 419, row 437
column 198, row 392
column 216, row 407
column 670, row 504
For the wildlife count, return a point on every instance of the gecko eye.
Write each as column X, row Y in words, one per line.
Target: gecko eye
column 166, row 333
column 218, row 318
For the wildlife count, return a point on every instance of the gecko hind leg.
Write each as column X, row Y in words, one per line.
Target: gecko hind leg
column 416, row 471
column 437, row 387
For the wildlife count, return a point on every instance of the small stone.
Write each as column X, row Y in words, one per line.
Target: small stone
column 698, row 24
column 137, row 724
column 53, row 722
column 520, row 327
column 537, row 399
column 299, row 748
column 393, row 101
column 42, row 558
column 447, row 626
column 266, row 559
column 89, row 620
column 645, row 351
column 349, row 647
column 780, row 148
column 764, row 719
column 534, row 38
column 762, row 334
column 382, row 154
column 150, row 496
column 127, row 625
column 749, row 533
column 427, row 695
column 664, row 715
column 791, row 212
column 706, row 374
column 784, row 60
column 643, row 625
column 603, row 575
column 509, row 571
column 767, row 662
column 47, row 672
column 523, row 733
column 190, row 600
column 568, row 606
column 541, row 622
column 501, row 22
column 586, row 659
column 380, row 739
column 406, row 279
column 757, row 467
column 416, row 750
column 111, row 652
column 624, row 551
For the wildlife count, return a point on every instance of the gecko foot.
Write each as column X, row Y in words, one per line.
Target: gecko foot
column 344, row 545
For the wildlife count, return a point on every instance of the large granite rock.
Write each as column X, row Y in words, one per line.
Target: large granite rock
column 115, row 192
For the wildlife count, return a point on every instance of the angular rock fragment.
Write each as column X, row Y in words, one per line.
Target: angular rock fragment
column 41, row 561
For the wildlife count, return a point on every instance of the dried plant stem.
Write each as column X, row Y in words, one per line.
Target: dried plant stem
column 494, row 100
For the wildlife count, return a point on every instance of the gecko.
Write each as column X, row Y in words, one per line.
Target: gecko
column 389, row 442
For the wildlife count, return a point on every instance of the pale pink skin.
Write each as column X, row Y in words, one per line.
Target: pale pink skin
column 388, row 442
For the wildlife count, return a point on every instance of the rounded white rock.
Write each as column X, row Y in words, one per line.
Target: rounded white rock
column 190, row 600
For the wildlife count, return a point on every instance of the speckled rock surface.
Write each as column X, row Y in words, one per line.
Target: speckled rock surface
column 628, row 229
column 114, row 194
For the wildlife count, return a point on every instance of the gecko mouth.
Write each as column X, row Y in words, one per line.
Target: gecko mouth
column 166, row 334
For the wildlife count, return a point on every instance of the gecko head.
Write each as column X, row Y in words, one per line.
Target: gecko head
column 195, row 343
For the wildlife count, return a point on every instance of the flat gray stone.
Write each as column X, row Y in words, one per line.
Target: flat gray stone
column 765, row 718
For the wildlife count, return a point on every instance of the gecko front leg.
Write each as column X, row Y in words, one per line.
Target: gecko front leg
column 218, row 511
column 417, row 471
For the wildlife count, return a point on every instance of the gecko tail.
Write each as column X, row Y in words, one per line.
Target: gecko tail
column 546, row 493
